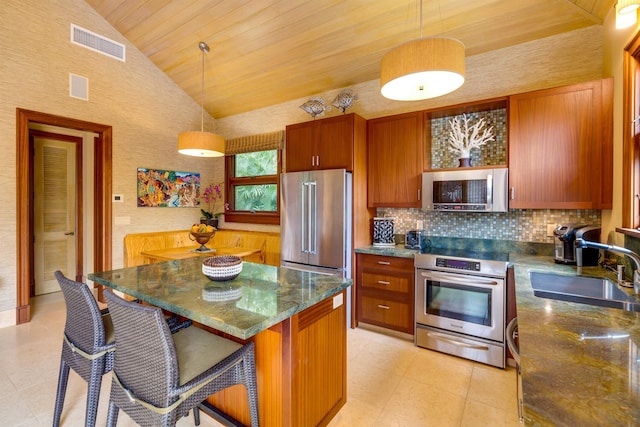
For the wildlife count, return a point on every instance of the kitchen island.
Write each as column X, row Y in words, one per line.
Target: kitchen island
column 580, row 363
column 297, row 321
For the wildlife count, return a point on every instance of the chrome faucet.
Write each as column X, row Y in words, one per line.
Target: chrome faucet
column 581, row 243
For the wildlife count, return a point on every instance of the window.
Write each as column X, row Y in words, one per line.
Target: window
column 252, row 169
column 631, row 136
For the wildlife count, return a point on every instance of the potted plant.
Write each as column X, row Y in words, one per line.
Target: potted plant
column 464, row 137
column 212, row 197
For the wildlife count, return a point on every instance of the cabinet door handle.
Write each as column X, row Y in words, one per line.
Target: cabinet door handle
column 383, row 282
column 384, row 307
column 313, row 160
column 418, row 195
column 384, row 263
column 513, row 193
column 317, row 160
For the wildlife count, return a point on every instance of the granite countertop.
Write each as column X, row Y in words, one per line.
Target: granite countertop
column 260, row 297
column 397, row 251
column 580, row 363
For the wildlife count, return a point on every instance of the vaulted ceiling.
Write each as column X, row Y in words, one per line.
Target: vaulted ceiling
column 265, row 52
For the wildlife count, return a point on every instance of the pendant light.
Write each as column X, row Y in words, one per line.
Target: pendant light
column 201, row 143
column 422, row 69
column 626, row 13
column 627, row 6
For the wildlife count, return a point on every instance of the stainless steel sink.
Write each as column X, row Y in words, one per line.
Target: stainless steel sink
column 585, row 290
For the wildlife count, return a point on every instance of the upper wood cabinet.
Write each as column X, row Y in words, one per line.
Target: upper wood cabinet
column 322, row 144
column 561, row 147
column 395, row 152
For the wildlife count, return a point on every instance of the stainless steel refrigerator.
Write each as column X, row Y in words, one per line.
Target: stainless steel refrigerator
column 315, row 221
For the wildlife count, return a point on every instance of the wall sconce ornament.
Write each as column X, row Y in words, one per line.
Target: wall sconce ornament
column 464, row 137
column 315, row 106
column 344, row 100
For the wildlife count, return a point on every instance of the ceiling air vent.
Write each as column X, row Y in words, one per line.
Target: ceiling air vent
column 97, row 43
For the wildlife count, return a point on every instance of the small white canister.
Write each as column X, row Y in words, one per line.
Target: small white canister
column 383, row 231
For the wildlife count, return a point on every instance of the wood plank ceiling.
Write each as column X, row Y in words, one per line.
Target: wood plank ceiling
column 265, row 52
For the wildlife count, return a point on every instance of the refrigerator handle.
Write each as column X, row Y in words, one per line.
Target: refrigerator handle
column 313, row 218
column 303, row 213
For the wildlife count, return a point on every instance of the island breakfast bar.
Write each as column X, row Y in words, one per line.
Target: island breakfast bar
column 296, row 319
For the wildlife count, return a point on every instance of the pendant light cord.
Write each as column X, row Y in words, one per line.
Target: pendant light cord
column 205, row 49
column 420, row 18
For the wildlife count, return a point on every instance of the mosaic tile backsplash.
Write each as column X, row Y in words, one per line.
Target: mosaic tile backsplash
column 492, row 153
column 522, row 225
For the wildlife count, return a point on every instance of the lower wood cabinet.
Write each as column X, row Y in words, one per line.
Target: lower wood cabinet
column 385, row 291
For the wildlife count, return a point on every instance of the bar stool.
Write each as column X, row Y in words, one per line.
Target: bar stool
column 159, row 377
column 88, row 345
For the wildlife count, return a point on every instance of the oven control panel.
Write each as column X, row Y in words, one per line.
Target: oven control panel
column 458, row 264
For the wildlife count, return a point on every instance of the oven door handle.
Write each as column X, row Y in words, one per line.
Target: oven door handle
column 453, row 341
column 458, row 279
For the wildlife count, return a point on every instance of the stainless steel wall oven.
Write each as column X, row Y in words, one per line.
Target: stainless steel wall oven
column 461, row 304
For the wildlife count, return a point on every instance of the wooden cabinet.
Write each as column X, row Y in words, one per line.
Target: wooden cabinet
column 385, row 291
column 395, row 152
column 561, row 147
column 322, row 144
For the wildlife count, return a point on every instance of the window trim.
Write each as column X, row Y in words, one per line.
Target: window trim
column 231, row 181
column 631, row 134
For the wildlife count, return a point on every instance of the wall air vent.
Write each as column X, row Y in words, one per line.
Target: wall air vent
column 97, row 43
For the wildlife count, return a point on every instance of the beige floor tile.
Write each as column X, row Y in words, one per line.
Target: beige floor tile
column 478, row 414
column 357, row 413
column 418, row 404
column 494, row 387
column 448, row 373
column 6, row 386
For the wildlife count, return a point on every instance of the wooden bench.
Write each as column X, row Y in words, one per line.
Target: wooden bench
column 268, row 242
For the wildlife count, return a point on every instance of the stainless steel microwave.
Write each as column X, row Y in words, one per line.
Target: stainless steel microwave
column 466, row 190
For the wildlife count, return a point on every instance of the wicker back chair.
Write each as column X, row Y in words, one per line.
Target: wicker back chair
column 159, row 377
column 88, row 345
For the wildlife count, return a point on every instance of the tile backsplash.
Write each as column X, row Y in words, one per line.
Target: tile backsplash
column 522, row 225
column 492, row 153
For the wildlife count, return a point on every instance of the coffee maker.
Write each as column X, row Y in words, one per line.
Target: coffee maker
column 565, row 251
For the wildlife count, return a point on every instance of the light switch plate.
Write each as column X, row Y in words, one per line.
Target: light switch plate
column 550, row 228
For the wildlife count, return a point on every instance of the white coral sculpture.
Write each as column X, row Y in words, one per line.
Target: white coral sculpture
column 463, row 137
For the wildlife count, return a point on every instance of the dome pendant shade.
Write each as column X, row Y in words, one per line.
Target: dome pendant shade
column 200, row 144
column 422, row 69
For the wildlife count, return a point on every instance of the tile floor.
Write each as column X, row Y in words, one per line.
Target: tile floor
column 390, row 381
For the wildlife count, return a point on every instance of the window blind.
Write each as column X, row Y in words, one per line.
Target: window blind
column 260, row 142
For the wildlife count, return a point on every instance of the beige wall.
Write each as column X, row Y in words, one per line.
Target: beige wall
column 147, row 110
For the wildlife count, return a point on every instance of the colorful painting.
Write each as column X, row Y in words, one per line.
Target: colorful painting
column 169, row 189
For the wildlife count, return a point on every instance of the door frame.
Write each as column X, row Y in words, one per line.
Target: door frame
column 102, row 213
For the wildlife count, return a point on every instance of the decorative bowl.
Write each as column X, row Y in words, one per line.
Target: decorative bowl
column 222, row 267
column 202, row 238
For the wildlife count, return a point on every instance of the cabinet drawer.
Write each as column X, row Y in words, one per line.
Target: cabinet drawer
column 386, row 262
column 402, row 283
column 386, row 313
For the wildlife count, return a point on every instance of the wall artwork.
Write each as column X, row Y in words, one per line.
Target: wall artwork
column 169, row 189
